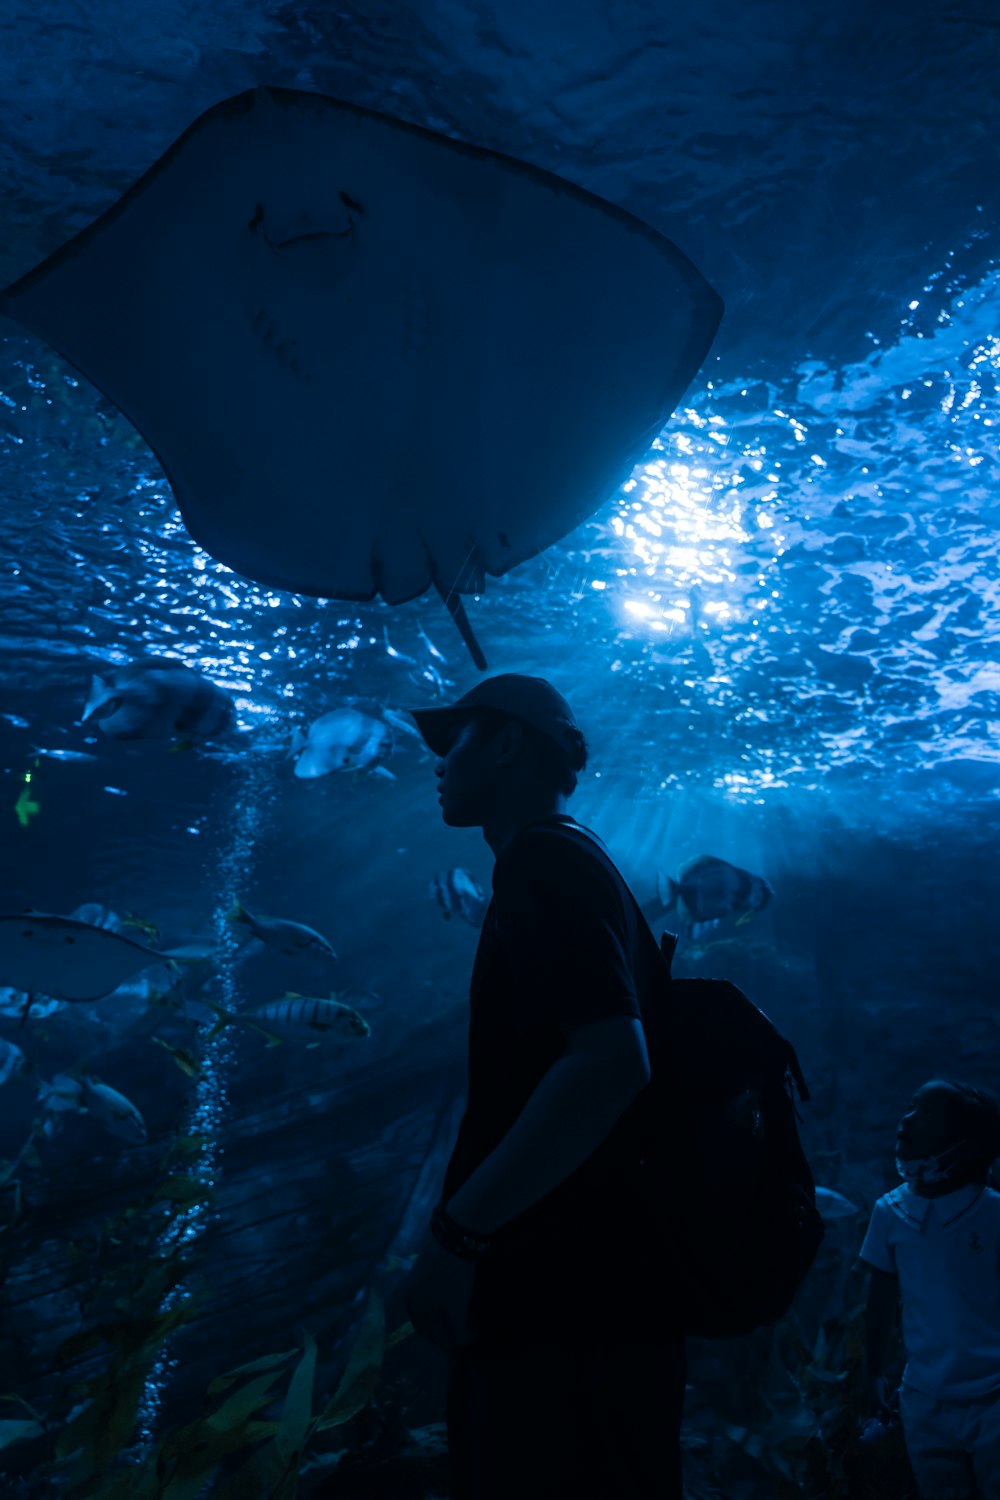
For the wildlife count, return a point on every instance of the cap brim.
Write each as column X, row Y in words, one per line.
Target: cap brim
column 435, row 726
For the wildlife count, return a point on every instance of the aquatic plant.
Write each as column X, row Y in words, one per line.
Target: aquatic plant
column 801, row 1435
column 236, row 1446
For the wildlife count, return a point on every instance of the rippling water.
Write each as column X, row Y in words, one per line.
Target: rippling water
column 799, row 579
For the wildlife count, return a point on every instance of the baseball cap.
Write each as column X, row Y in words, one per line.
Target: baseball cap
column 533, row 700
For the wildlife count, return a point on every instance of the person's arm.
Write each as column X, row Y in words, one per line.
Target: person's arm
column 880, row 1314
column 569, row 1115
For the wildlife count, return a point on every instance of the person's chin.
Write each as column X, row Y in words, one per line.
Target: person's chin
column 452, row 817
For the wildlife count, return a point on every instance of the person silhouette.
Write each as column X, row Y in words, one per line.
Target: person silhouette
column 934, row 1243
column 540, row 1274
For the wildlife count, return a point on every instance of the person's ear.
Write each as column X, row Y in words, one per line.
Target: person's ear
column 509, row 742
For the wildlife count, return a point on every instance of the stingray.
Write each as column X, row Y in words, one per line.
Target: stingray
column 69, row 960
column 371, row 359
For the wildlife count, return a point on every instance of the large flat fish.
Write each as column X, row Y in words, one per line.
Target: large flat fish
column 43, row 954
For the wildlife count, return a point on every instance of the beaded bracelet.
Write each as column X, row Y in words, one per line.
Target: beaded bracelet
column 463, row 1243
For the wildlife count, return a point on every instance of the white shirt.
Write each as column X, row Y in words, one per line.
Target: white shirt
column 946, row 1252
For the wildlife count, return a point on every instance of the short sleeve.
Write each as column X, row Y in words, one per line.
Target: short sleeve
column 564, row 934
column 876, row 1249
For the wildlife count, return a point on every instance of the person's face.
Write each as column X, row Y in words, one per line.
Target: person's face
column 467, row 776
column 929, row 1125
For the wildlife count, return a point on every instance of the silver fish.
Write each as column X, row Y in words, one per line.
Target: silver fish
column 193, row 953
column 833, row 1205
column 399, row 720
column 310, row 1016
column 78, row 755
column 88, row 1095
column 159, row 699
column 708, row 889
column 458, row 895
column 65, row 958
column 343, row 740
column 278, row 932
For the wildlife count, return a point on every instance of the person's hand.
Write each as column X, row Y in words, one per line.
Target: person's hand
column 438, row 1294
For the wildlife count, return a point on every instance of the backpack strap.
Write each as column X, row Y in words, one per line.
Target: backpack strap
column 577, row 834
column 583, row 837
column 668, row 946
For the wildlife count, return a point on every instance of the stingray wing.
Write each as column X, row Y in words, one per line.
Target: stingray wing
column 371, row 358
column 68, row 960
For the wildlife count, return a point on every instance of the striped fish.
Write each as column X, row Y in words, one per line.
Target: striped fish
column 309, row 1016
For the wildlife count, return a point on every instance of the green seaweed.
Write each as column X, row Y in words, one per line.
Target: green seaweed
column 266, row 1362
column 804, row 1397
column 18, row 1430
column 364, row 1366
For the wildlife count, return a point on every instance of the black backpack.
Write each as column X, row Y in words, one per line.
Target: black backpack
column 721, row 1169
column 712, row 1147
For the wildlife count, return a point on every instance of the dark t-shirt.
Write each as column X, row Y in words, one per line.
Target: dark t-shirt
column 560, row 945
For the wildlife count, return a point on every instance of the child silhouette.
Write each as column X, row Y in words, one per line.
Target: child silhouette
column 934, row 1242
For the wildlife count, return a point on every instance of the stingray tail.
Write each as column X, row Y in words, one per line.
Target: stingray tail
column 100, row 693
column 452, row 600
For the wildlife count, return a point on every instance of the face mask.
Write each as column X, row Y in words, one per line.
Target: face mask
column 922, row 1171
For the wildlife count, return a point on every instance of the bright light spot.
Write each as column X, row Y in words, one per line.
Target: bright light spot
column 598, row 583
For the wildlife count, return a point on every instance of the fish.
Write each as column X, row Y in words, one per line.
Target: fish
column 193, row 953
column 309, row 1016
column 458, row 895
column 96, row 915
column 86, row 1094
column 68, row 755
column 16, row 1002
column 11, row 1060
column 277, row 932
column 66, row 959
column 343, row 740
column 833, row 1205
column 285, row 470
column 399, row 720
column 158, row 698
column 706, row 891
column 182, row 1056
column 143, row 925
